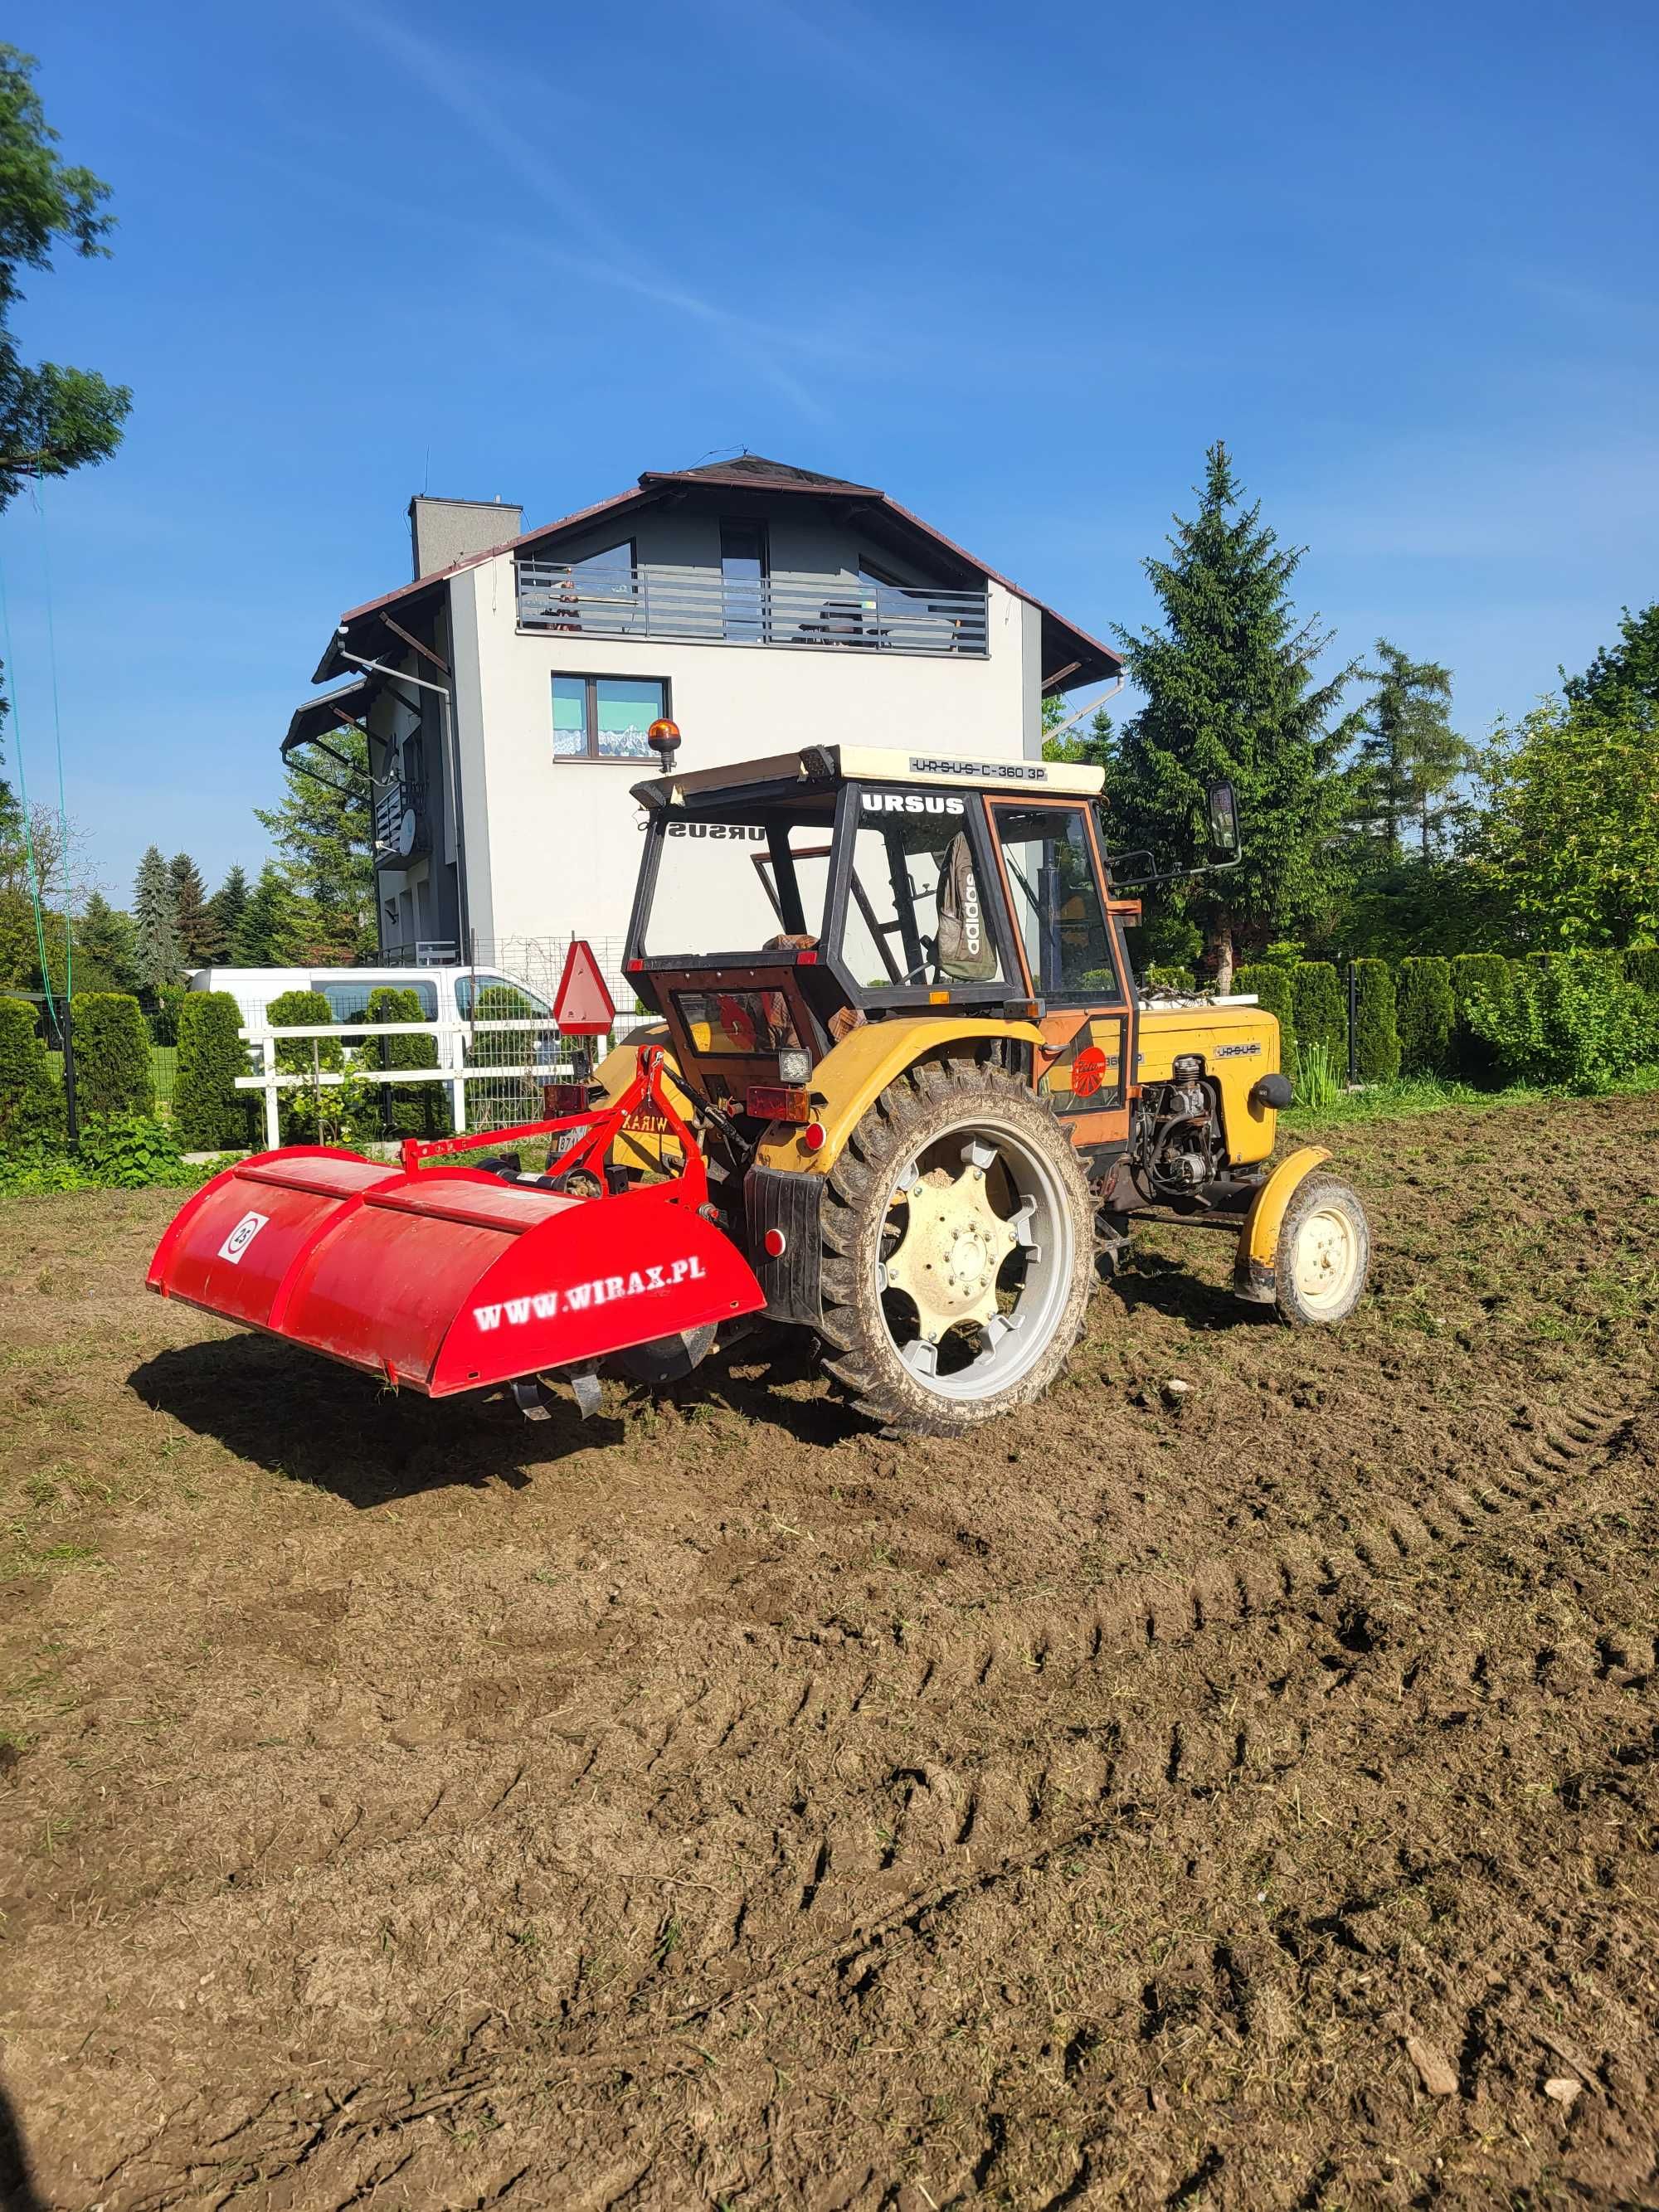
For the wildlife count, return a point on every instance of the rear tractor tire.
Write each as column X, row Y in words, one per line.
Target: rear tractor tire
column 1324, row 1254
column 959, row 1250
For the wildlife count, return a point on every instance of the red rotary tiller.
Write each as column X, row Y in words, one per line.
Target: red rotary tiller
column 444, row 1279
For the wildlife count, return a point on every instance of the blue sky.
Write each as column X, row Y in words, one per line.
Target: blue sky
column 1017, row 267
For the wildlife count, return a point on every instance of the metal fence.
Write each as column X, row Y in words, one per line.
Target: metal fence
column 701, row 605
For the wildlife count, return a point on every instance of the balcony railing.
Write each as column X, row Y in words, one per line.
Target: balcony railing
column 400, row 830
column 702, row 605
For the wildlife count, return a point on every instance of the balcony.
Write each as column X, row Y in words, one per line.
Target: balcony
column 703, row 607
column 400, row 825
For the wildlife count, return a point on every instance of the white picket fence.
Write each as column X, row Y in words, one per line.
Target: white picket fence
column 497, row 1088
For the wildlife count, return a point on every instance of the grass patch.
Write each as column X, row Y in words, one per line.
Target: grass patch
column 1410, row 1095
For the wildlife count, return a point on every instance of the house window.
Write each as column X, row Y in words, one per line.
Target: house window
column 605, row 717
column 745, row 564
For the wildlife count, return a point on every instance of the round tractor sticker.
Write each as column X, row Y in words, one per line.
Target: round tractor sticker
column 242, row 1236
column 1088, row 1072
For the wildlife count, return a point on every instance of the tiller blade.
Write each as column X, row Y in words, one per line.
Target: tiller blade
column 444, row 1279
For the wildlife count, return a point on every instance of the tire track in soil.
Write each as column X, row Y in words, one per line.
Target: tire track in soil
column 978, row 1825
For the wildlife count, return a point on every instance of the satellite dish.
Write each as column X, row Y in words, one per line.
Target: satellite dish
column 406, row 830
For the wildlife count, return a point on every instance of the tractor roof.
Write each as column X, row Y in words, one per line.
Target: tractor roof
column 821, row 764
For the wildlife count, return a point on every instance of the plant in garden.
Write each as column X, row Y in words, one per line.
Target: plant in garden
column 519, row 1097
column 419, row 1110
column 1424, row 1014
column 1319, row 1084
column 112, row 1072
column 226, row 906
column 209, row 1113
column 268, row 931
column 31, row 1097
column 125, row 1152
column 1273, row 983
column 1641, row 966
column 307, row 1109
column 164, row 1016
column 1377, row 1037
column 1571, row 1020
column 324, row 830
column 1322, row 1009
column 198, row 930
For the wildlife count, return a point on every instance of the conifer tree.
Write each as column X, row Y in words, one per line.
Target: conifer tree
column 227, row 906
column 190, row 908
column 1409, row 756
column 104, row 958
column 267, row 932
column 1231, row 693
column 157, row 954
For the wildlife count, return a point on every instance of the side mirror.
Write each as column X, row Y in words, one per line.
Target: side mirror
column 1222, row 808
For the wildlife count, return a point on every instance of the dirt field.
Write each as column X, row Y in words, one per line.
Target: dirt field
column 1245, row 1797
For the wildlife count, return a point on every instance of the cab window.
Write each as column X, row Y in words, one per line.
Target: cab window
column 1055, row 893
column 915, row 912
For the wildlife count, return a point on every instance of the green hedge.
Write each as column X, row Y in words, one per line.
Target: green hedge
column 1271, row 982
column 1570, row 1018
column 209, row 1114
column 112, row 1055
column 1487, row 975
column 1376, row 1038
column 1321, row 1010
column 1425, row 1015
column 415, row 1109
column 1641, row 968
column 306, row 1116
column 31, row 1096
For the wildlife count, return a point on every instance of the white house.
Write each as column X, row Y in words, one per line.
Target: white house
column 762, row 606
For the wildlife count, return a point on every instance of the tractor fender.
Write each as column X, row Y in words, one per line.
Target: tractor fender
column 1255, row 1265
column 853, row 1074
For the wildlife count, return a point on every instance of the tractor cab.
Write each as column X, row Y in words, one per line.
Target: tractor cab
column 849, row 885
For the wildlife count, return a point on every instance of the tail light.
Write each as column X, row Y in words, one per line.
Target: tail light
column 778, row 1102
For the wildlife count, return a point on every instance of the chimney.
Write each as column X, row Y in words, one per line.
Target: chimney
column 442, row 531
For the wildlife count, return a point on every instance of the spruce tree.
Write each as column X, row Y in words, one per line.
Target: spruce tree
column 1231, row 693
column 157, row 954
column 227, row 906
column 1409, row 756
column 188, row 906
column 104, row 954
column 267, row 932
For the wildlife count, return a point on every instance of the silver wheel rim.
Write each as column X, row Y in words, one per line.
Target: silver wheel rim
column 1326, row 1260
column 986, row 1248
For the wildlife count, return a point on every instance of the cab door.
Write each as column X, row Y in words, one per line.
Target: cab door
column 1070, row 941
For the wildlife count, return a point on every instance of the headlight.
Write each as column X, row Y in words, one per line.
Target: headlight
column 794, row 1065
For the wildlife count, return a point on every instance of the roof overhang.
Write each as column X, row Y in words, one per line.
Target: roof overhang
column 1071, row 657
column 331, row 710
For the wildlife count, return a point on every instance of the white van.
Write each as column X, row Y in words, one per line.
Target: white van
column 446, row 994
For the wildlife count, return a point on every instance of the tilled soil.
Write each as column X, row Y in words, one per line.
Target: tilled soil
column 1238, row 1795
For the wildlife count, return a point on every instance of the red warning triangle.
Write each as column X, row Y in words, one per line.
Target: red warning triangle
column 584, row 1007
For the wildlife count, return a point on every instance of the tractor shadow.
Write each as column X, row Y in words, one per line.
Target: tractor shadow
column 1168, row 1286
column 310, row 1422
column 17, row 2190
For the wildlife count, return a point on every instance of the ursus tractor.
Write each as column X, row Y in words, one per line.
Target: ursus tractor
column 914, row 1105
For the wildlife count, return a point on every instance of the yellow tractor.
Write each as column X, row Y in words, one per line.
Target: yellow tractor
column 930, row 1098
column 912, row 1108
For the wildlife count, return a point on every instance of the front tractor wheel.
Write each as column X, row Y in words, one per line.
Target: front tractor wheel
column 959, row 1250
column 1324, row 1254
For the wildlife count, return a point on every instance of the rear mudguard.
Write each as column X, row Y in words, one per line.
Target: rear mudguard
column 1255, row 1265
column 446, row 1280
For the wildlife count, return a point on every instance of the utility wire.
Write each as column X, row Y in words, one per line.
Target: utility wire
column 58, row 735
column 23, row 795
